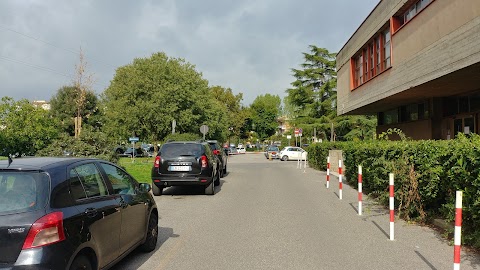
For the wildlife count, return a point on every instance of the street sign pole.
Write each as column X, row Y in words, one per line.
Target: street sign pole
column 204, row 130
column 133, row 140
column 133, row 152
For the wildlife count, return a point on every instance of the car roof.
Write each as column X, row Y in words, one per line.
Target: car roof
column 39, row 163
column 184, row 142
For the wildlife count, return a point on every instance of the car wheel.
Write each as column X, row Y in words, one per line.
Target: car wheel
column 156, row 190
column 81, row 263
column 217, row 178
column 285, row 158
column 210, row 189
column 152, row 234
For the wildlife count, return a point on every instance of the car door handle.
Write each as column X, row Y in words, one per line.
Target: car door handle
column 91, row 212
column 123, row 204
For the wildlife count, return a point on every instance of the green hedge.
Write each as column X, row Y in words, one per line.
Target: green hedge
column 427, row 174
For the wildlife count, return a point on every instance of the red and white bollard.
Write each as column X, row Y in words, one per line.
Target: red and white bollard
column 328, row 172
column 458, row 230
column 392, row 208
column 360, row 190
column 340, row 184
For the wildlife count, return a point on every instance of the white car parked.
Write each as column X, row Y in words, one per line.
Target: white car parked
column 292, row 153
column 241, row 150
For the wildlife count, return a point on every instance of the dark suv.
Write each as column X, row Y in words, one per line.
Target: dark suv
column 221, row 154
column 185, row 163
column 72, row 213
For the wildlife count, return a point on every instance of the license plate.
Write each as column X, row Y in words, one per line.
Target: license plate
column 180, row 168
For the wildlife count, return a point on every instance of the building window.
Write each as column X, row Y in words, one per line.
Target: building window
column 358, row 70
column 371, row 61
column 415, row 9
column 390, row 117
column 379, row 59
column 386, row 49
column 402, row 18
column 365, row 64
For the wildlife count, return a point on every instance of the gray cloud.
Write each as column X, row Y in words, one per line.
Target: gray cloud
column 249, row 46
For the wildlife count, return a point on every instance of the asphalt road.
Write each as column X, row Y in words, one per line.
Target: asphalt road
column 271, row 215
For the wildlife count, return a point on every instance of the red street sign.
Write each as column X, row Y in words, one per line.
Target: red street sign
column 297, row 131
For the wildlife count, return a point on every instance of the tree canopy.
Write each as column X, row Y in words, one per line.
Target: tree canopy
column 24, row 128
column 63, row 107
column 265, row 110
column 147, row 95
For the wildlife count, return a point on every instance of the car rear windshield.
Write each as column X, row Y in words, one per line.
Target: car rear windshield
column 181, row 149
column 213, row 146
column 273, row 148
column 23, row 191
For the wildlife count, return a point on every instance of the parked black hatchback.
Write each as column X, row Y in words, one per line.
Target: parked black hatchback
column 185, row 164
column 72, row 213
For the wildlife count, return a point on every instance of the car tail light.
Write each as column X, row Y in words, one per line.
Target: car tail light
column 45, row 231
column 156, row 164
column 216, row 152
column 204, row 161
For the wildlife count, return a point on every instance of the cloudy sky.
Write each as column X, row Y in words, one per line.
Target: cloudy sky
column 247, row 45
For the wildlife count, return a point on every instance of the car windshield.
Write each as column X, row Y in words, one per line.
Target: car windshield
column 23, row 191
column 180, row 149
column 273, row 148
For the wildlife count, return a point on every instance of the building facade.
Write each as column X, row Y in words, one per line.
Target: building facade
column 416, row 65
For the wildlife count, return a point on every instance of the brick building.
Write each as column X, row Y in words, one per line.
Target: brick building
column 416, row 65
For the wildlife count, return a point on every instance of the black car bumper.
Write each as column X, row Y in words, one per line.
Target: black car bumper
column 183, row 181
column 49, row 257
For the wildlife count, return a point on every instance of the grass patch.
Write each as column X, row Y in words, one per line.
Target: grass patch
column 141, row 169
column 3, row 158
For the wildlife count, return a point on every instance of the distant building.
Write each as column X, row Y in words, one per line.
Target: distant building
column 283, row 125
column 42, row 104
column 416, row 65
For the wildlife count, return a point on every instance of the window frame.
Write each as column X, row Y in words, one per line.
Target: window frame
column 370, row 61
column 100, row 174
column 400, row 20
column 133, row 182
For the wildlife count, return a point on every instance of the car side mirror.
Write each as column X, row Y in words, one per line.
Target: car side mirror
column 144, row 187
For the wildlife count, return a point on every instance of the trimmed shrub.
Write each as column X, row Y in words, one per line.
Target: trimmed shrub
column 427, row 174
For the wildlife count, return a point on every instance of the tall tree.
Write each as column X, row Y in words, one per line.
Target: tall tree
column 147, row 95
column 24, row 128
column 236, row 113
column 64, row 108
column 265, row 110
column 314, row 91
column 83, row 83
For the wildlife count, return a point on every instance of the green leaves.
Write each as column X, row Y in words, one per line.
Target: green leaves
column 427, row 174
column 24, row 128
column 265, row 110
column 148, row 94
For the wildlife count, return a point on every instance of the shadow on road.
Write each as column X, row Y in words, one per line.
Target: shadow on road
column 354, row 208
column 381, row 229
column 425, row 260
column 137, row 258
